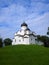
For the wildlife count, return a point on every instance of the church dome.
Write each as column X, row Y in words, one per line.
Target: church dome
column 23, row 24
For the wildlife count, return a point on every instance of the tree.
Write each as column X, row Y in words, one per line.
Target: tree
column 7, row 41
column 1, row 42
column 44, row 39
column 48, row 31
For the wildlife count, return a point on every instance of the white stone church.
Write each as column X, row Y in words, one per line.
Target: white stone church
column 25, row 36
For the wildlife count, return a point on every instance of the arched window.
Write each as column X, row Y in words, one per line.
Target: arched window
column 15, row 40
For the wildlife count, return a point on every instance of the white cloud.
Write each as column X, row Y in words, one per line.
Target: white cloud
column 15, row 14
column 39, row 24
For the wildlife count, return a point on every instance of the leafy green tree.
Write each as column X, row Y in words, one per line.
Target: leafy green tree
column 7, row 41
column 1, row 42
column 44, row 39
column 48, row 31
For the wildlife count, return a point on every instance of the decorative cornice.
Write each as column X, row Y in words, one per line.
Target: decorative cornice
column 24, row 35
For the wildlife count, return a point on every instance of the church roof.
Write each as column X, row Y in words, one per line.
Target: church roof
column 25, row 34
column 28, row 29
column 23, row 24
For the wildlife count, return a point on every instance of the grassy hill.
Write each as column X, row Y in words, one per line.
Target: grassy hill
column 24, row 55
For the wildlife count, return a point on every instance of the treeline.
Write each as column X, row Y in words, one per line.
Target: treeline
column 44, row 39
column 5, row 42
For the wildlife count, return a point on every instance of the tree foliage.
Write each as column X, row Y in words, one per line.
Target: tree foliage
column 1, row 42
column 7, row 41
column 48, row 31
column 44, row 39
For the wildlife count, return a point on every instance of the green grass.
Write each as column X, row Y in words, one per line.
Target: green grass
column 24, row 55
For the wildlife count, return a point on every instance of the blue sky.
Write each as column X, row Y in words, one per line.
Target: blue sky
column 13, row 12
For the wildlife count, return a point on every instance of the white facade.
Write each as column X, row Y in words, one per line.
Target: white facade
column 24, row 36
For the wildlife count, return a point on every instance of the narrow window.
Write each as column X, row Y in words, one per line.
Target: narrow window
column 19, row 40
column 15, row 40
column 31, row 39
column 23, row 39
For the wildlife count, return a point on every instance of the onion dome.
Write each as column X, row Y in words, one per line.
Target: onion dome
column 23, row 24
